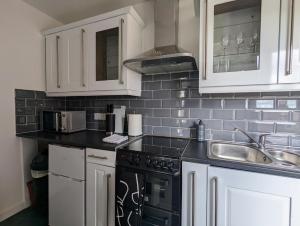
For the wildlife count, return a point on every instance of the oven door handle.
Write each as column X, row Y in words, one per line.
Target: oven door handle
column 165, row 220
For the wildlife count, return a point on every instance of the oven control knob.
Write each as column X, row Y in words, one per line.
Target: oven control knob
column 170, row 165
column 155, row 163
column 137, row 160
column 162, row 164
column 130, row 159
column 148, row 162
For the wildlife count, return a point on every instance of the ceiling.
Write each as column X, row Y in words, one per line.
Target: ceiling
column 67, row 11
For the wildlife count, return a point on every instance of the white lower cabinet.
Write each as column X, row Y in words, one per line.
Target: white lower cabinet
column 235, row 198
column 100, row 190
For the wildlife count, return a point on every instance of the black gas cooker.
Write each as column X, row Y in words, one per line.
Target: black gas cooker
column 160, row 154
column 148, row 182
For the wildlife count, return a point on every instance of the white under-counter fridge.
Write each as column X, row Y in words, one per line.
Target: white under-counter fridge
column 66, row 186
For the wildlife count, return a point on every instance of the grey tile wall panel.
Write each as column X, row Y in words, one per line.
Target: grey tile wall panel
column 152, row 121
column 223, row 114
column 147, row 94
column 261, row 104
column 248, row 115
column 161, row 77
column 162, row 112
column 263, row 127
column 222, row 135
column 152, row 85
column 200, row 113
column 153, row 103
column 295, row 116
column 178, row 94
column 180, row 75
column 234, row 103
column 20, row 93
column 291, row 127
column 173, row 84
column 192, row 83
column 290, row 104
column 162, row 131
column 137, row 103
column 162, row 94
column 171, row 105
column 230, row 125
column 180, row 113
column 276, row 115
column 181, row 132
column 213, row 124
column 211, row 103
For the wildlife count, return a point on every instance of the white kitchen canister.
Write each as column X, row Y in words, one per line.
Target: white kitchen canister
column 135, row 127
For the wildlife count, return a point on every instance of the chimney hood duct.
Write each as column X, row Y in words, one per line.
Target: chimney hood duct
column 166, row 57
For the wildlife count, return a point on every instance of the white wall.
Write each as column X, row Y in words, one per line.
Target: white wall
column 21, row 66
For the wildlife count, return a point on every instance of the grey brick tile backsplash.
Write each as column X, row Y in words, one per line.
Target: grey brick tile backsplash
column 171, row 105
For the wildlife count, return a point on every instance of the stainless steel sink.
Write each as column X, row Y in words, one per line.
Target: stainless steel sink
column 286, row 157
column 237, row 152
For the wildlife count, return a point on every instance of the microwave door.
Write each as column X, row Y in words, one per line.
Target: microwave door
column 51, row 121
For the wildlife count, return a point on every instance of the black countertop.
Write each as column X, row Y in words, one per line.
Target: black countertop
column 197, row 152
column 83, row 139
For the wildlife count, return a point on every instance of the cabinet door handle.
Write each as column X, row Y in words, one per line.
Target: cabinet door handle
column 102, row 204
column 121, row 51
column 107, row 201
column 290, row 42
column 82, row 57
column 204, row 77
column 97, row 157
column 193, row 184
column 57, row 62
column 214, row 201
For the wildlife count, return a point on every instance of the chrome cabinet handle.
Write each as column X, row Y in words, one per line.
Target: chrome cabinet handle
column 57, row 62
column 101, row 185
column 204, row 77
column 56, row 122
column 97, row 157
column 192, row 216
column 107, row 201
column 82, row 57
column 289, row 58
column 214, row 201
column 121, row 51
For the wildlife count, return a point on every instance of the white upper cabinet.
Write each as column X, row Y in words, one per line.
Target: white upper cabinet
column 240, row 45
column 111, row 42
column 86, row 57
column 289, row 64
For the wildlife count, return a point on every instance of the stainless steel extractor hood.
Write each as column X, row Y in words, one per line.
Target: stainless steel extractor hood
column 166, row 56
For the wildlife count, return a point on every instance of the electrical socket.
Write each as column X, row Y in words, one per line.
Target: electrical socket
column 99, row 116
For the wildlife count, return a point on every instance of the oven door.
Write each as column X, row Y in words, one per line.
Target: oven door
column 129, row 196
column 156, row 217
column 162, row 191
column 50, row 121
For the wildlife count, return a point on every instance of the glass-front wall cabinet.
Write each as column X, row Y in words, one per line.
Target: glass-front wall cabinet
column 106, row 40
column 240, row 45
column 237, row 36
column 107, row 54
